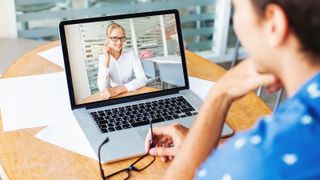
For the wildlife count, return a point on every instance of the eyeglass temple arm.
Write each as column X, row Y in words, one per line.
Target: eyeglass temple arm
column 99, row 156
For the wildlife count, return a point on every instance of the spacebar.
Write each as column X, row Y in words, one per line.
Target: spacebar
column 136, row 124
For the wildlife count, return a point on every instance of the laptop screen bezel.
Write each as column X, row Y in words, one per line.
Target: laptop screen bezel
column 127, row 98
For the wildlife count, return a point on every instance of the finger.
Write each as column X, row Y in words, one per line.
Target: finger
column 105, row 97
column 263, row 80
column 162, row 151
column 163, row 158
column 167, row 131
column 274, row 88
column 159, row 141
column 168, row 143
column 158, row 132
column 106, row 94
column 108, row 49
column 162, row 140
column 147, row 141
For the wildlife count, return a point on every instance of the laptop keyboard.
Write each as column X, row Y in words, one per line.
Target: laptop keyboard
column 130, row 116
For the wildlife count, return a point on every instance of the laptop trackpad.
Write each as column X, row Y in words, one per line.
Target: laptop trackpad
column 143, row 134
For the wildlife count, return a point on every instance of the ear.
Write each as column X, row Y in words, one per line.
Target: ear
column 276, row 25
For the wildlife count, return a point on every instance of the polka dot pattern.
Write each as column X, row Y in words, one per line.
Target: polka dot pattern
column 239, row 143
column 202, row 173
column 290, row 159
column 313, row 90
column 226, row 177
column 255, row 139
column 306, row 120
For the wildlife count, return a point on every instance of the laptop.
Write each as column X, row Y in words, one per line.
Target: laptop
column 155, row 42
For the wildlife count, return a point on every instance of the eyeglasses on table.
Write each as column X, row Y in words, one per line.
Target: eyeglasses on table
column 139, row 165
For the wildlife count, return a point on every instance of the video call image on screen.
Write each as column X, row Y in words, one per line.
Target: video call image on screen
column 119, row 58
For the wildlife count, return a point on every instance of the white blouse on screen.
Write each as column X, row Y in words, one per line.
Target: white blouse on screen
column 127, row 71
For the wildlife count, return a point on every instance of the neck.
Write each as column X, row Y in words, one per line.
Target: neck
column 297, row 69
column 116, row 54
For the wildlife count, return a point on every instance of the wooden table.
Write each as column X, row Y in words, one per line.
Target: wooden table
column 26, row 157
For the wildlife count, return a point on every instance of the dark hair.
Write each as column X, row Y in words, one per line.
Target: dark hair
column 304, row 20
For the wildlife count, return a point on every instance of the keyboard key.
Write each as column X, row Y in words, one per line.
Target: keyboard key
column 118, row 128
column 188, row 113
column 124, row 122
column 126, row 126
column 195, row 113
column 158, row 120
column 111, row 129
column 102, row 122
column 94, row 115
column 98, row 119
column 168, row 118
column 102, row 126
column 178, row 112
column 110, row 124
column 176, row 116
column 104, row 130
column 187, row 110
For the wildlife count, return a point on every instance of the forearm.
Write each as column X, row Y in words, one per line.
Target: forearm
column 107, row 62
column 202, row 138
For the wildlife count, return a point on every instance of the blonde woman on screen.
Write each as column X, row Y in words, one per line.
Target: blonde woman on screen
column 120, row 69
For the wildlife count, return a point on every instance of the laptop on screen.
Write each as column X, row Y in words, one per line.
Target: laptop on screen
column 123, row 71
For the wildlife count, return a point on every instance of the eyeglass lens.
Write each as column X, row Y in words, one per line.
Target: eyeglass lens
column 139, row 165
column 116, row 39
column 143, row 162
column 123, row 174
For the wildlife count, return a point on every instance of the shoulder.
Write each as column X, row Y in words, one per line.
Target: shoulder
column 242, row 157
column 282, row 145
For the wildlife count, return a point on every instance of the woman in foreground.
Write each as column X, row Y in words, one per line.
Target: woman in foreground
column 282, row 38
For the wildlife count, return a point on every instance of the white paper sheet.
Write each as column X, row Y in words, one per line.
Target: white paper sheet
column 200, row 87
column 66, row 132
column 54, row 55
column 33, row 101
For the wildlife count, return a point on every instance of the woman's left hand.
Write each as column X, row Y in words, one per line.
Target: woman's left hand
column 111, row 92
column 242, row 79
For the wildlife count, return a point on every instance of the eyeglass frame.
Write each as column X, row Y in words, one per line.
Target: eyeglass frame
column 122, row 38
column 131, row 167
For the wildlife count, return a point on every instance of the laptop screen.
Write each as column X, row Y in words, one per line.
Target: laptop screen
column 112, row 59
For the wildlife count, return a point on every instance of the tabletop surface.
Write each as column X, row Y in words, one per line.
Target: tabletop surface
column 25, row 157
column 98, row 96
